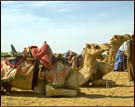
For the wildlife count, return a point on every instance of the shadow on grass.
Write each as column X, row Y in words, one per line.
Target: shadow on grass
column 117, row 85
column 81, row 94
column 96, row 96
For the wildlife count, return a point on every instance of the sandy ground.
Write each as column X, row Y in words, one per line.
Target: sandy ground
column 121, row 95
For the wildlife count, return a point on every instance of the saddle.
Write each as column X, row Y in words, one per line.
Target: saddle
column 43, row 54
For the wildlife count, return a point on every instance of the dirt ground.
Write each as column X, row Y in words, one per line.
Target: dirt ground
column 121, row 95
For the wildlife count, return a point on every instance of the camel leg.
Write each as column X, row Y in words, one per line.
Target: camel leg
column 102, row 82
column 50, row 91
column 40, row 88
column 7, row 87
column 2, row 90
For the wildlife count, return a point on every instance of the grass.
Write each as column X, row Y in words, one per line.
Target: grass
column 7, row 54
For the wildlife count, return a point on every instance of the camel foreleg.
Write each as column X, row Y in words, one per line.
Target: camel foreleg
column 103, row 82
column 51, row 91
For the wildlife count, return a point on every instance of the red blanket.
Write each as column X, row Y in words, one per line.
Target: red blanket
column 44, row 54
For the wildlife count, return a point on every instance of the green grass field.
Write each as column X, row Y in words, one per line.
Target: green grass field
column 4, row 53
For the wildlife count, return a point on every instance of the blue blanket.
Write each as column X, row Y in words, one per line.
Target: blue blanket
column 14, row 62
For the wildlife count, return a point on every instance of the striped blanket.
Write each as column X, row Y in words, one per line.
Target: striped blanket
column 8, row 72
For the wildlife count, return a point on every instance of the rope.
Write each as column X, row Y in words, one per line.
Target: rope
column 117, row 77
column 107, row 81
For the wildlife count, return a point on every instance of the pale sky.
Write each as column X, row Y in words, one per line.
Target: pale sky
column 63, row 24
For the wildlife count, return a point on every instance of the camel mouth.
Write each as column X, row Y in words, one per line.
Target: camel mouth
column 102, row 51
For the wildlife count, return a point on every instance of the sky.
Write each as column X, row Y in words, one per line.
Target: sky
column 63, row 25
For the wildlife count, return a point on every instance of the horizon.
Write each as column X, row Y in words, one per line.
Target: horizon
column 65, row 25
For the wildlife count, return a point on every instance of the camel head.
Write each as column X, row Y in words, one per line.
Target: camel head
column 119, row 39
column 115, row 42
column 105, row 46
column 93, row 50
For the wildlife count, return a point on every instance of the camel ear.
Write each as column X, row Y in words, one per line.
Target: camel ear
column 115, row 36
column 84, row 49
column 128, row 36
column 88, row 45
column 97, row 47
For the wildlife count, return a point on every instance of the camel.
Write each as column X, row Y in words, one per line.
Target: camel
column 105, row 66
column 72, row 84
column 115, row 42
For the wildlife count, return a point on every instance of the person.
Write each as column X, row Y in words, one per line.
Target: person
column 130, row 60
column 119, row 61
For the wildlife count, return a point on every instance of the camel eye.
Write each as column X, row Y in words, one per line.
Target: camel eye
column 97, row 47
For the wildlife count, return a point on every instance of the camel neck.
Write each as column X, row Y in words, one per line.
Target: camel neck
column 112, row 53
column 89, row 61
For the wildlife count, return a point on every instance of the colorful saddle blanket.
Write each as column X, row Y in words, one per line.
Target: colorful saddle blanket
column 14, row 63
column 57, row 74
